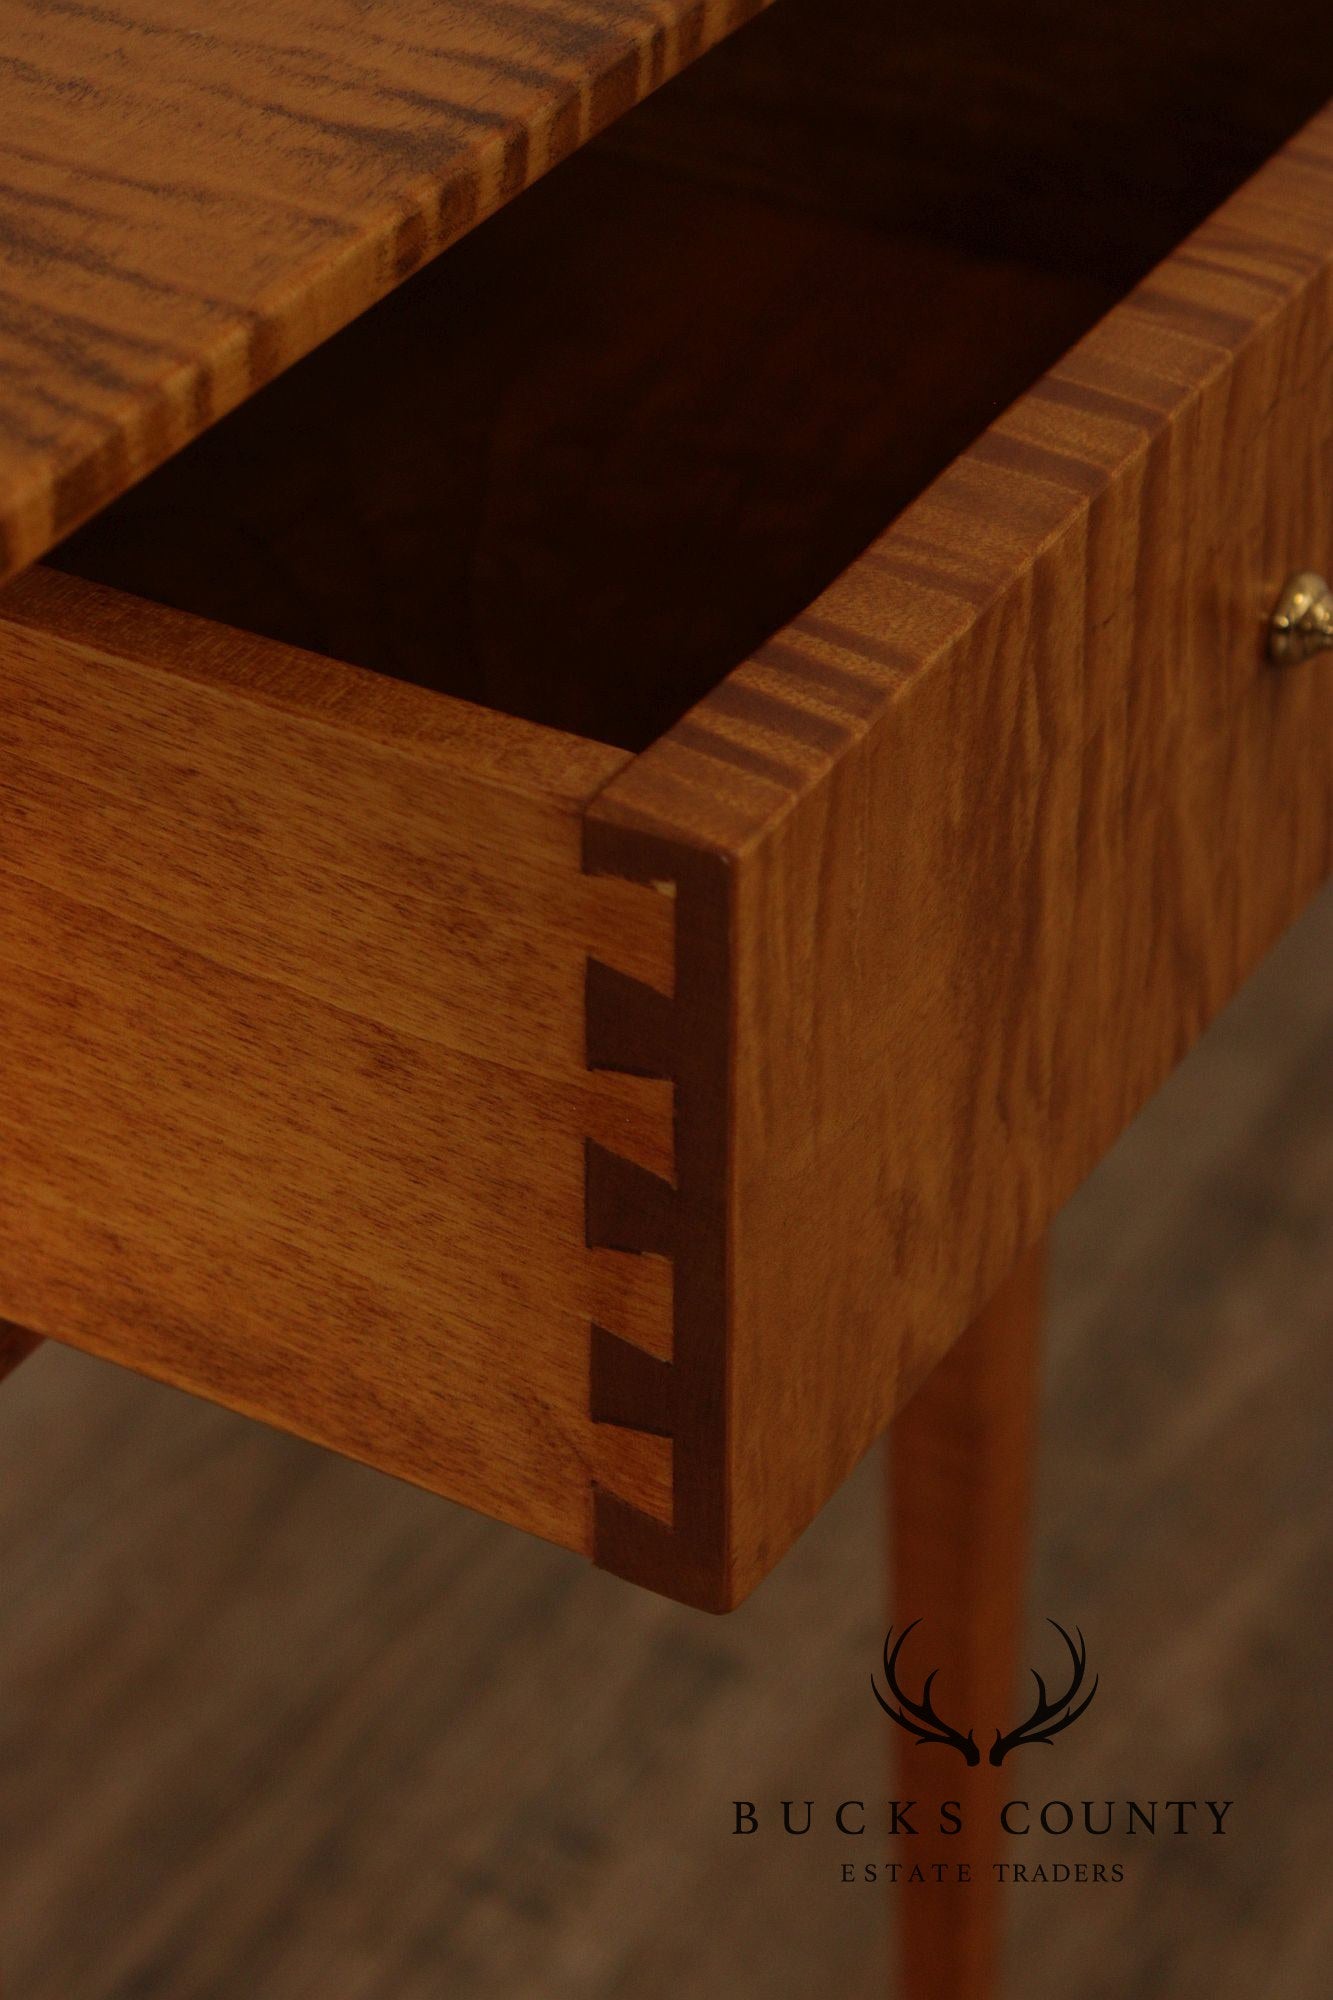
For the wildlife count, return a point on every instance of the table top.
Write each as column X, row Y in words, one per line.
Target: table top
column 194, row 193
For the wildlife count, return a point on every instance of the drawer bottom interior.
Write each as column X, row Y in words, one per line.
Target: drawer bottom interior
column 584, row 463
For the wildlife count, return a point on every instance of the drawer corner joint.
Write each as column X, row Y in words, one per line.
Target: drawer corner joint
column 684, row 1038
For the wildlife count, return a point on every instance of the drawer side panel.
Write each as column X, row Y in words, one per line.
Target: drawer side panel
column 293, row 1099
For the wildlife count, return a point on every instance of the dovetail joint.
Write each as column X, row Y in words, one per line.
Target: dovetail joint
column 633, row 1029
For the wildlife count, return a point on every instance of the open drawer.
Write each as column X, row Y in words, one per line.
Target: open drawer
column 452, row 1009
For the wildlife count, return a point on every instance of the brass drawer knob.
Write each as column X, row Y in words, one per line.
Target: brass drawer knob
column 1302, row 623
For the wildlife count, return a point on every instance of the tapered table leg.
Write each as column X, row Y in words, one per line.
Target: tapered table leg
column 960, row 1472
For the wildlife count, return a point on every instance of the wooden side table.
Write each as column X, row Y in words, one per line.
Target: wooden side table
column 450, row 1008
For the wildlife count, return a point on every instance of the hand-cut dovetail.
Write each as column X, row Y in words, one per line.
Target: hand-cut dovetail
column 630, row 1027
column 631, row 1387
column 627, row 1207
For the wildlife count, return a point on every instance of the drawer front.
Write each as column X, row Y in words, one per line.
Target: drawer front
column 1005, row 819
column 293, row 1099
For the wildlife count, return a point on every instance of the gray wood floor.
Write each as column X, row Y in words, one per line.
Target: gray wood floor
column 273, row 1727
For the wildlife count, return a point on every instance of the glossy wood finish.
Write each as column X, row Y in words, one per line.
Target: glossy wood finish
column 676, row 388
column 1008, row 814
column 834, row 993
column 293, row 1096
column 192, row 197
column 961, row 1468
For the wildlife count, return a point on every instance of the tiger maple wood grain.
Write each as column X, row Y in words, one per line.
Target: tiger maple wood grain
column 1008, row 815
column 293, row 1101
column 192, row 196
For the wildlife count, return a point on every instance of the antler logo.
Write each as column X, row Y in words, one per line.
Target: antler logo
column 1048, row 1718
column 924, row 1725
column 918, row 1718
